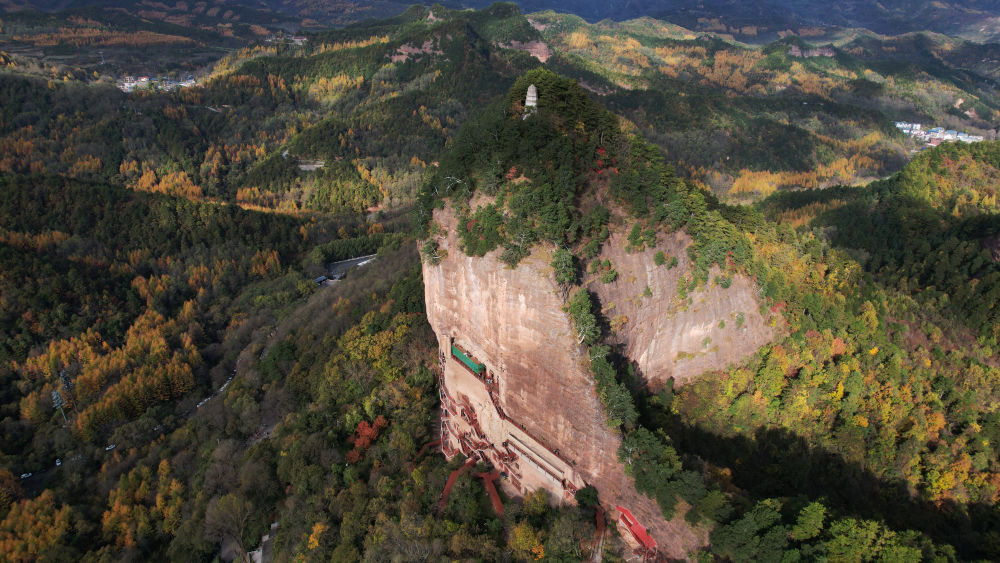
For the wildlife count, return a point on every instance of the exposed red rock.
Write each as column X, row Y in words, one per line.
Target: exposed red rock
column 665, row 335
column 512, row 321
column 538, row 49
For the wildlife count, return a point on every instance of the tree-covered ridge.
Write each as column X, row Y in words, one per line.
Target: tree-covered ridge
column 551, row 173
column 956, row 178
column 348, row 121
column 535, row 165
column 758, row 118
column 875, row 384
column 538, row 164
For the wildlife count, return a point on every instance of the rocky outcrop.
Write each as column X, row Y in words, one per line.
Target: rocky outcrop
column 408, row 51
column 796, row 51
column 538, row 49
column 669, row 336
column 512, row 320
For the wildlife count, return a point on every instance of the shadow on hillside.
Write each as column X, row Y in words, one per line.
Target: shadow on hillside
column 778, row 463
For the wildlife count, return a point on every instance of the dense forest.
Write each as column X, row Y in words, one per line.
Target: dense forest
column 739, row 119
column 756, row 119
column 175, row 381
column 133, row 38
column 175, row 384
column 316, row 400
column 865, row 431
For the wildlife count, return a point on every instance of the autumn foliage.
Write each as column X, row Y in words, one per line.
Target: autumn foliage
column 363, row 437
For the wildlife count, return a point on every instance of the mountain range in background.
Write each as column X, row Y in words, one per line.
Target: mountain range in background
column 752, row 20
column 713, row 282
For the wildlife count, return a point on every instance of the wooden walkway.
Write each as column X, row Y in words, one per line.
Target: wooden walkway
column 491, row 490
column 451, row 482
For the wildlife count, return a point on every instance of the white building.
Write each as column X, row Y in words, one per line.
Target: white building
column 531, row 100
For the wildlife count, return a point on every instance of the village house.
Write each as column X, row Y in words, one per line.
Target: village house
column 936, row 135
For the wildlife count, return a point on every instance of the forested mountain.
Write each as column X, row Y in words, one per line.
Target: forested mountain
column 867, row 410
column 743, row 120
column 788, row 114
column 374, row 104
column 135, row 38
column 174, row 383
column 748, row 20
column 975, row 19
column 769, row 16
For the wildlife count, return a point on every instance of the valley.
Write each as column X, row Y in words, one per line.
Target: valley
column 497, row 284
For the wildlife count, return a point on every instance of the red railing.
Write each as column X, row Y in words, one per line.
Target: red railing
column 638, row 532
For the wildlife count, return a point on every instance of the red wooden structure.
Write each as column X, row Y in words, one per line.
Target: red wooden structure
column 491, row 490
column 635, row 528
column 451, row 481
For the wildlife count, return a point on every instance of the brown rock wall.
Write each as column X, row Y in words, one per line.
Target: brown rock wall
column 513, row 320
column 663, row 334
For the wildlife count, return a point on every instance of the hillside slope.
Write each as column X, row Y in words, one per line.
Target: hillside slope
column 842, row 394
column 513, row 321
column 814, row 377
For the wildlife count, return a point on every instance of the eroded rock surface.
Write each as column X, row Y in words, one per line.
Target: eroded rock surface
column 513, row 322
column 666, row 335
column 538, row 49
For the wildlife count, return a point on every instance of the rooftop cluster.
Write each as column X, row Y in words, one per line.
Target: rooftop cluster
column 937, row 135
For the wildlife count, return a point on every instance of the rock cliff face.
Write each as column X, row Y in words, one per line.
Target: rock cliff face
column 512, row 322
column 670, row 336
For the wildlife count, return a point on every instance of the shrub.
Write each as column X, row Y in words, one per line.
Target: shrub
column 582, row 316
column 587, row 496
column 562, row 263
column 431, row 252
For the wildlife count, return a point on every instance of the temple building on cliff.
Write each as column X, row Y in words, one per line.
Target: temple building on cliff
column 475, row 424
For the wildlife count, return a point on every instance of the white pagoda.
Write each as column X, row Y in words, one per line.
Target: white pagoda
column 531, row 100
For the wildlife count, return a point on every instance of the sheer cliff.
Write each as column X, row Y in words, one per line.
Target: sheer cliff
column 532, row 204
column 513, row 322
column 666, row 335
